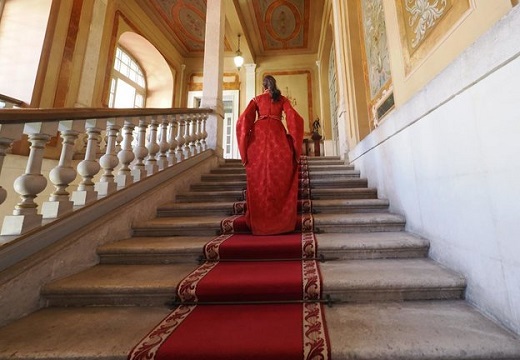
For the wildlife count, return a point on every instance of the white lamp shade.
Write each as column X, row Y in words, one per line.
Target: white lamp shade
column 239, row 60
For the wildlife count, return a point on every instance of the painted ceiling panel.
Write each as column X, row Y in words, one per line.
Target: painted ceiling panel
column 271, row 25
column 187, row 19
column 283, row 24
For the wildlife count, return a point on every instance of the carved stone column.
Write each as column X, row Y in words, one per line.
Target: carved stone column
column 164, row 145
column 25, row 216
column 172, row 139
column 89, row 167
column 61, row 176
column 8, row 134
column 213, row 73
column 140, row 151
column 126, row 155
column 180, row 138
column 153, row 148
column 107, row 184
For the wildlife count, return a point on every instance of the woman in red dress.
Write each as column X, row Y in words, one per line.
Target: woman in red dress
column 270, row 154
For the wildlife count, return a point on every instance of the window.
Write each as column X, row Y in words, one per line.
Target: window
column 128, row 85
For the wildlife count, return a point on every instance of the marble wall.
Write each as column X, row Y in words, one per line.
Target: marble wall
column 447, row 159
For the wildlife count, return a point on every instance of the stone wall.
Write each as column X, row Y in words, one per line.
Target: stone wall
column 448, row 160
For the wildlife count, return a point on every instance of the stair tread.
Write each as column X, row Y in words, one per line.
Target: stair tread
column 175, row 249
column 399, row 331
column 214, row 221
column 315, row 203
column 338, row 276
column 326, row 242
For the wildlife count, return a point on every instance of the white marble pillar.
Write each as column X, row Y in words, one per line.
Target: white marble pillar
column 213, row 73
column 250, row 81
column 339, row 13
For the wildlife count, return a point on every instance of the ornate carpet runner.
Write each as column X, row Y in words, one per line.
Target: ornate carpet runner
column 255, row 297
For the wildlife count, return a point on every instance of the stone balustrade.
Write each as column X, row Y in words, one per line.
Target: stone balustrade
column 138, row 142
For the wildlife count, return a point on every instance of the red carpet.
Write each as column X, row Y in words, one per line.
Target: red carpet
column 254, row 298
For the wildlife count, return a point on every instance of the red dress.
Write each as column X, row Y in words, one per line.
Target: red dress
column 270, row 154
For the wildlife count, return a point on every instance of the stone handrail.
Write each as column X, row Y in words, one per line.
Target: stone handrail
column 9, row 102
column 164, row 137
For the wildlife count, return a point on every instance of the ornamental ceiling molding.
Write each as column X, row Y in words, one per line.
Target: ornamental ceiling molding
column 186, row 19
column 283, row 24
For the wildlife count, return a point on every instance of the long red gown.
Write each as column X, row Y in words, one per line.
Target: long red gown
column 270, row 154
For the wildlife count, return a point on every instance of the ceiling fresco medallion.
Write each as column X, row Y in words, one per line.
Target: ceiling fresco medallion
column 187, row 19
column 283, row 24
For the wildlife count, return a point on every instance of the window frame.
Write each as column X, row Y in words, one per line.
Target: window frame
column 132, row 76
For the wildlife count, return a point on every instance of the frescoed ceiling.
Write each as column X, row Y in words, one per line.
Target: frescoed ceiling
column 269, row 27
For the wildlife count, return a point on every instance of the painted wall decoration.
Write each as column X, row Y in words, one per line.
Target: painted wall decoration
column 424, row 24
column 421, row 16
column 376, row 46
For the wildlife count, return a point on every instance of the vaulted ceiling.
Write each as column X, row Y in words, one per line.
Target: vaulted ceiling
column 269, row 27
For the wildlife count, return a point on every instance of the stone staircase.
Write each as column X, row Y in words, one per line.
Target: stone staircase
column 392, row 301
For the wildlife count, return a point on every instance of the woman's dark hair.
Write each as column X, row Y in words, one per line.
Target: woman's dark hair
column 270, row 84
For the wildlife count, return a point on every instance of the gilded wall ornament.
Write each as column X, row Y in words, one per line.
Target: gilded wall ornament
column 376, row 47
column 423, row 15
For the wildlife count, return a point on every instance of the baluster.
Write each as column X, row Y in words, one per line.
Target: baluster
column 153, row 148
column 180, row 138
column 140, row 151
column 187, row 137
column 172, row 140
column 164, row 146
column 89, row 167
column 204, row 132
column 31, row 183
column 193, row 134
column 119, row 138
column 198, row 144
column 8, row 134
column 107, row 185
column 126, row 155
column 62, row 175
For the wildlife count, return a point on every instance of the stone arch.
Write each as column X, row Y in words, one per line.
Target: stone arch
column 159, row 75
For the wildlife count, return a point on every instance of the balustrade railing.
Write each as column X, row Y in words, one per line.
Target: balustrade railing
column 164, row 137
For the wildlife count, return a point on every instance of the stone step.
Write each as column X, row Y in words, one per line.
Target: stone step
column 345, row 193
column 236, row 195
column 226, row 208
column 312, row 168
column 345, row 281
column 210, row 225
column 177, row 249
column 204, row 196
column 319, row 162
column 336, row 174
column 327, row 182
column 438, row 330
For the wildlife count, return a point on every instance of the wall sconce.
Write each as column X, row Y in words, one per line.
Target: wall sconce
column 239, row 60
